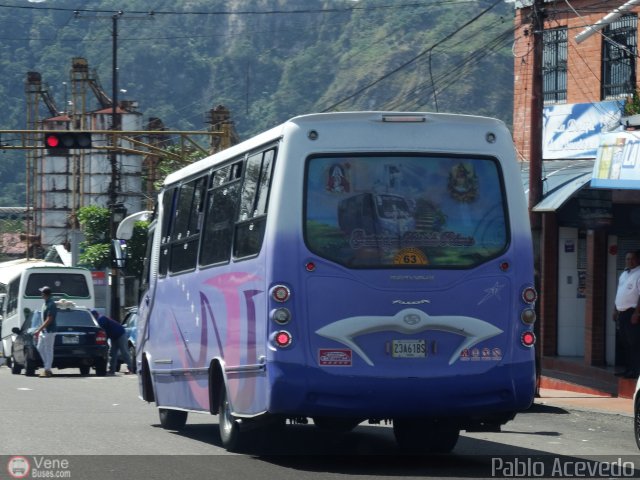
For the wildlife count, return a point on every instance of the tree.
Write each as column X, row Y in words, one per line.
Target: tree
column 95, row 225
column 96, row 249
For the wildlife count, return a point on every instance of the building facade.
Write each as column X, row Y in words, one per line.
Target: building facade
column 589, row 215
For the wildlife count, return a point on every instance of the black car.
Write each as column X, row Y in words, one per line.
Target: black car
column 80, row 342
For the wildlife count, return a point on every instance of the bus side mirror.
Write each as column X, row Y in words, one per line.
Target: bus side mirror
column 118, row 253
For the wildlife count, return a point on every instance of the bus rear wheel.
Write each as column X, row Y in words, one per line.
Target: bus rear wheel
column 230, row 435
column 172, row 419
column 425, row 436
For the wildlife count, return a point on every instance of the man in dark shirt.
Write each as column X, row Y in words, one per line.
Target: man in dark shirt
column 118, row 337
column 46, row 333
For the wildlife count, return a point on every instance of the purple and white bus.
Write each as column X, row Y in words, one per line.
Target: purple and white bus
column 344, row 267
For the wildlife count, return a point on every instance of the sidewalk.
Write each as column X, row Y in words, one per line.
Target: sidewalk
column 585, row 402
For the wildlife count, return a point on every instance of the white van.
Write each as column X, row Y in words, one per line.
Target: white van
column 22, row 280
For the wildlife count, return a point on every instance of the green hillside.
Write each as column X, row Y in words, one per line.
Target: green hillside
column 266, row 60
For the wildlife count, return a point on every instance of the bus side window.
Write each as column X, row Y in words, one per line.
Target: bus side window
column 222, row 202
column 255, row 196
column 12, row 296
column 167, row 215
column 185, row 234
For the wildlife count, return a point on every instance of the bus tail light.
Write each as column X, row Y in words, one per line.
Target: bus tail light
column 529, row 295
column 280, row 293
column 282, row 339
column 101, row 338
column 281, row 315
column 528, row 339
column 528, row 316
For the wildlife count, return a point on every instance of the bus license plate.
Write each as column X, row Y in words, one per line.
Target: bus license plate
column 408, row 349
column 70, row 339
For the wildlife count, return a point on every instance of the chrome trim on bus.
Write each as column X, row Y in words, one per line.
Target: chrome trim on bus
column 257, row 367
column 180, row 371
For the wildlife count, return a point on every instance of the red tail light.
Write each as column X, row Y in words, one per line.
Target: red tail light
column 101, row 338
column 280, row 293
column 282, row 339
column 528, row 339
column 529, row 295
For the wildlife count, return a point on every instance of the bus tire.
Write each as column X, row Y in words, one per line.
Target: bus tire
column 146, row 382
column 336, row 424
column 230, row 435
column 172, row 419
column 425, row 436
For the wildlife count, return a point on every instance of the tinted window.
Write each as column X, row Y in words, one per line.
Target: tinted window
column 251, row 224
column 74, row 318
column 185, row 234
column 69, row 284
column 168, row 213
column 64, row 318
column 218, row 228
column 405, row 211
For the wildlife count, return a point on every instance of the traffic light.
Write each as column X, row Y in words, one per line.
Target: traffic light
column 62, row 142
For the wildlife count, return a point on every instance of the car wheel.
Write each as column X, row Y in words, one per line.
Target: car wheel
column 15, row 368
column 172, row 419
column 101, row 368
column 335, row 424
column 230, row 434
column 85, row 369
column 29, row 367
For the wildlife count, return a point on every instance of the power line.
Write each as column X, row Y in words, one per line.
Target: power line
column 245, row 12
column 412, row 60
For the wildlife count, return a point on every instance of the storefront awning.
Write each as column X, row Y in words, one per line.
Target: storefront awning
column 554, row 200
column 561, row 179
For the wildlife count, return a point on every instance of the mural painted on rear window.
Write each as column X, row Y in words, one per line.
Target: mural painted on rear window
column 368, row 211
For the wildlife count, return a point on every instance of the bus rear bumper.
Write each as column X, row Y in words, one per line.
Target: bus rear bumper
column 499, row 393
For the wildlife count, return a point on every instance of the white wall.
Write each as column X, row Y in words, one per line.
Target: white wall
column 571, row 309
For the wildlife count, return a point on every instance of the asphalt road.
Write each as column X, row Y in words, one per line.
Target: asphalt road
column 100, row 427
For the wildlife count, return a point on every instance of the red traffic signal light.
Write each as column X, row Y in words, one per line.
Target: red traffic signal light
column 60, row 142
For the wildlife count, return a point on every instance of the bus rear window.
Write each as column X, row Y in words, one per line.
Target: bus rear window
column 61, row 284
column 405, row 211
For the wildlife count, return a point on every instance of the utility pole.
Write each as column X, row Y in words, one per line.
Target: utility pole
column 535, row 163
column 113, row 186
column 536, row 108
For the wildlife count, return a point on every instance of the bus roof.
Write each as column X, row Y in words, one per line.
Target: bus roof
column 12, row 269
column 277, row 132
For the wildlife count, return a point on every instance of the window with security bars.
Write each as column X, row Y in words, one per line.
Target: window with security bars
column 619, row 50
column 554, row 65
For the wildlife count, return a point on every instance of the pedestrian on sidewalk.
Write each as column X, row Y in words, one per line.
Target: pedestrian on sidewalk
column 627, row 314
column 46, row 333
column 118, row 337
